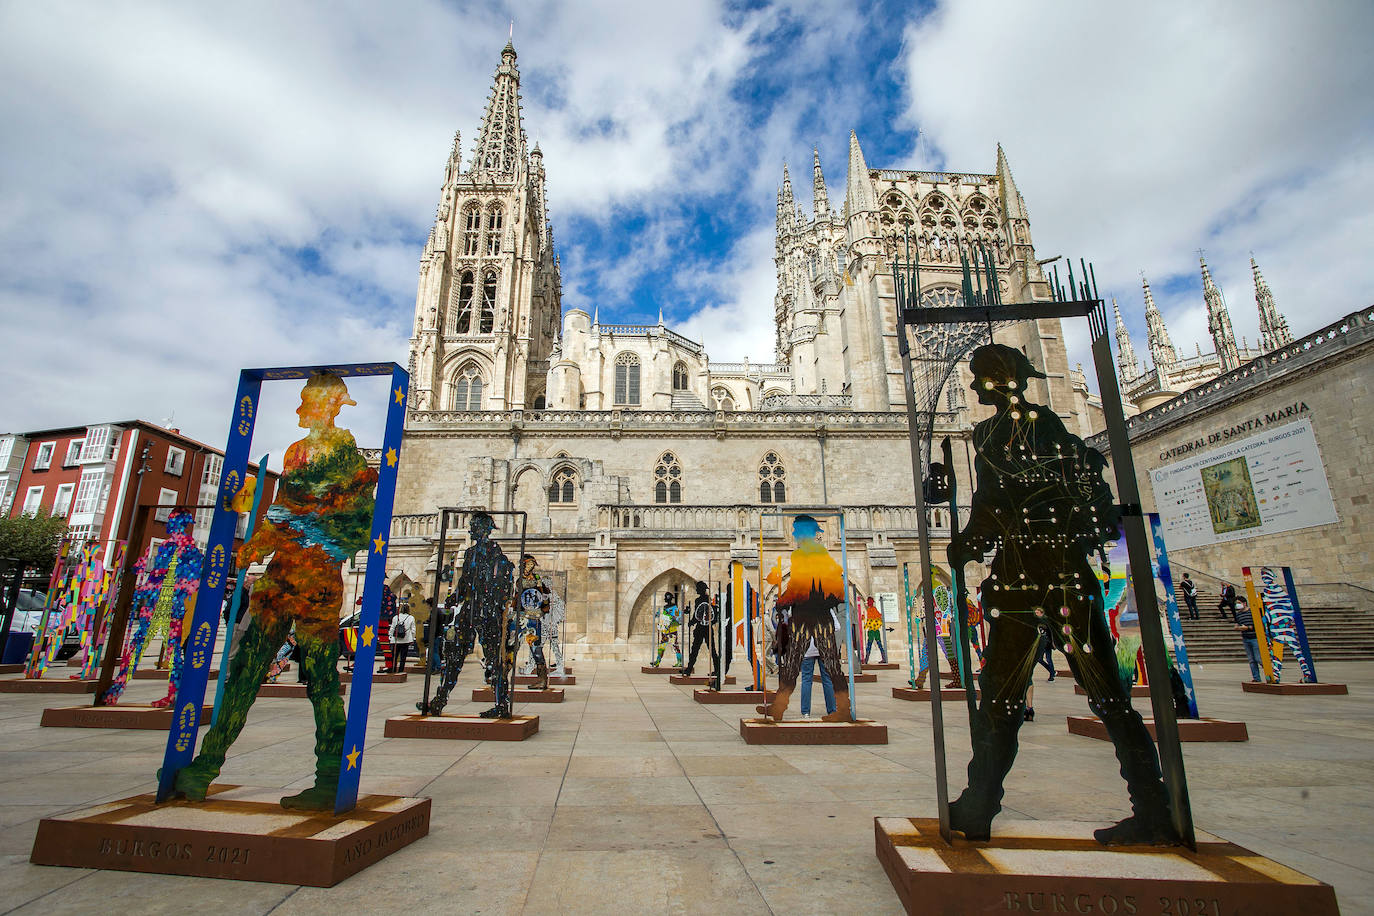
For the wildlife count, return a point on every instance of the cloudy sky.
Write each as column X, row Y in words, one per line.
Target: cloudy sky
column 187, row 189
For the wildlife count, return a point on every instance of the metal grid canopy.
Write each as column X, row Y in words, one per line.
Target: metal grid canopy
column 445, row 513
column 181, row 738
column 1079, row 301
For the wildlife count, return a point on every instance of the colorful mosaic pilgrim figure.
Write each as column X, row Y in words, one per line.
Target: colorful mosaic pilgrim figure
column 67, row 598
column 873, row 630
column 815, row 586
column 550, row 628
column 669, row 621
column 1279, row 625
column 322, row 516
column 484, row 589
column 1042, row 509
column 167, row 580
column 534, row 607
column 92, row 615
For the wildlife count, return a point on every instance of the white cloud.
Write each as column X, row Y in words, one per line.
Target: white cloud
column 1139, row 134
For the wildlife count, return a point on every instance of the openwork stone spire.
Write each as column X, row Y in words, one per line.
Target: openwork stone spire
column 859, row 196
column 820, row 200
column 789, row 205
column 1273, row 326
column 1162, row 352
column 1219, row 321
column 501, row 144
column 1126, row 363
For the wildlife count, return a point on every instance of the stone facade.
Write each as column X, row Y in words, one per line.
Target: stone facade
column 643, row 465
column 1327, row 377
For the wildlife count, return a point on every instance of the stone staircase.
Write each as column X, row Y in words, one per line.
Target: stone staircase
column 1339, row 619
column 685, row 400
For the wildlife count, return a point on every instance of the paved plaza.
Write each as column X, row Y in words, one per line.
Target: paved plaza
column 635, row 799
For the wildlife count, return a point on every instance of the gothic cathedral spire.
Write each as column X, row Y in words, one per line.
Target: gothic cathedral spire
column 858, row 195
column 1162, row 352
column 1273, row 326
column 820, row 200
column 1219, row 321
column 501, row 144
column 1126, row 363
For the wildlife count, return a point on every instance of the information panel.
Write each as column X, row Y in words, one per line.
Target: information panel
column 1265, row 484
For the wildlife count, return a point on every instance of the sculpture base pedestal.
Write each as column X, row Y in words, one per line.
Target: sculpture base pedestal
column 882, row 666
column 922, row 694
column 145, row 717
column 866, row 678
column 346, row 677
column 650, row 669
column 161, row 674
column 1137, row 690
column 1188, row 729
column 289, row 690
column 519, row 695
column 715, row 697
column 1057, row 867
column 812, row 731
column 566, row 680
column 46, row 685
column 1298, row 689
column 16, row 668
column 697, row 680
column 238, row 833
column 462, row 728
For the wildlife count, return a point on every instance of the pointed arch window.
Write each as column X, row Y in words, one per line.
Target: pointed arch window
column 668, row 479
column 627, row 380
column 462, row 303
column 679, row 376
column 772, row 480
column 467, row 389
column 563, row 487
column 472, row 231
column 494, row 220
column 487, row 319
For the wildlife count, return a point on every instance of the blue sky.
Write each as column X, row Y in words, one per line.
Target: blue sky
column 189, row 189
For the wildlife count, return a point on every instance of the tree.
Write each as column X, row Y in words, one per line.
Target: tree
column 33, row 541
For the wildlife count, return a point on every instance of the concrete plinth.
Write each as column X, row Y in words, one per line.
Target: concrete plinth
column 46, row 685
column 346, row 677
column 718, row 697
column 812, row 731
column 290, row 690
column 462, row 728
column 882, row 666
column 519, row 695
column 567, row 680
column 238, row 833
column 16, row 668
column 1057, row 867
column 650, row 669
column 161, row 674
column 697, row 680
column 1188, row 729
column 920, row 694
column 131, row 716
column 1137, row 690
column 1298, row 689
column 865, row 678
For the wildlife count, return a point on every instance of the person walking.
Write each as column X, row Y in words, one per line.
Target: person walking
column 1227, row 605
column 1045, row 657
column 402, row 638
column 1246, row 625
column 1189, row 596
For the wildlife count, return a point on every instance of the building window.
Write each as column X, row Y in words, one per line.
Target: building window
column 73, row 452
column 494, row 219
column 214, row 467
column 723, row 399
column 78, row 534
column 165, row 497
column 176, row 461
column 200, row 531
column 668, row 479
column 97, row 438
column 43, row 459
column 772, row 480
column 563, row 489
column 487, row 320
column 6, row 449
column 88, row 492
column 62, row 501
column 467, row 389
column 627, row 379
column 679, row 376
column 460, row 304
column 33, row 501
column 472, row 230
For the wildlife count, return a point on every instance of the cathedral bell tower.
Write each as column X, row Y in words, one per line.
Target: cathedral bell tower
column 488, row 303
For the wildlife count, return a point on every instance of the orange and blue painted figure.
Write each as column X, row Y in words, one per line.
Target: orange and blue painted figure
column 1041, row 509
column 321, row 516
column 815, row 587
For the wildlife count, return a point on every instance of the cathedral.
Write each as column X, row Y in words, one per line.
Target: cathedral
column 643, row 465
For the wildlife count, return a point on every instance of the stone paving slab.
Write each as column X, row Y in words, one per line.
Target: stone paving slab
column 633, row 798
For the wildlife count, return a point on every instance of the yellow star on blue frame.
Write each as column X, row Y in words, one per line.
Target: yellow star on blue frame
column 400, row 395
column 391, row 457
column 379, row 543
column 367, row 635
column 353, row 757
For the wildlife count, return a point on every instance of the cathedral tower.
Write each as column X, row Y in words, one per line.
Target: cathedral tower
column 489, row 299
column 1219, row 321
column 1162, row 352
column 1273, row 326
column 1126, row 365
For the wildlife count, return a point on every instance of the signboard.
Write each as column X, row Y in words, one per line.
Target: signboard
column 1264, row 484
column 888, row 604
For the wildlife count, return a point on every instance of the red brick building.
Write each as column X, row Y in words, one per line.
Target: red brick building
column 93, row 476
